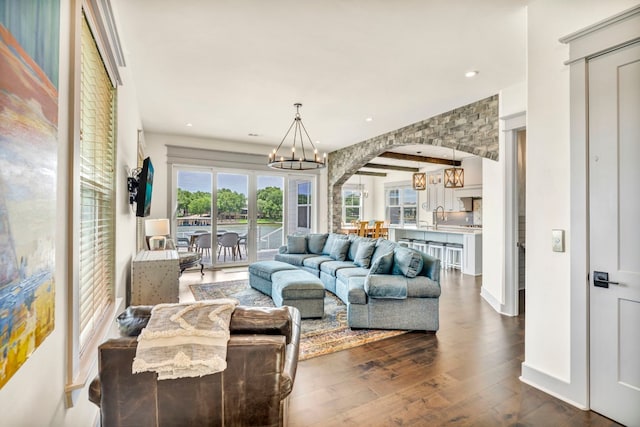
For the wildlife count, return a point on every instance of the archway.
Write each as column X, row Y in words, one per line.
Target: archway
column 472, row 128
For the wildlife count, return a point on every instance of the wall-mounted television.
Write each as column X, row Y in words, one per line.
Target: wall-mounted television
column 145, row 187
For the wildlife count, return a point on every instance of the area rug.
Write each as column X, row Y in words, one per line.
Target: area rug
column 318, row 336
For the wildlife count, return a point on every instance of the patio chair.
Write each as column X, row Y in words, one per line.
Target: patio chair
column 228, row 240
column 203, row 243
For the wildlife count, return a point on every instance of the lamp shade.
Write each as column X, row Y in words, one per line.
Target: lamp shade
column 156, row 227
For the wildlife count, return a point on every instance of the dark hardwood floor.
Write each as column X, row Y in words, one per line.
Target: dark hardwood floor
column 464, row 375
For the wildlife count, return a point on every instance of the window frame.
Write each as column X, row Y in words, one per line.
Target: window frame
column 402, row 205
column 81, row 358
column 346, row 191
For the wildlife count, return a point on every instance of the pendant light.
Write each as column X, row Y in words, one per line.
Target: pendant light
column 454, row 177
column 304, row 159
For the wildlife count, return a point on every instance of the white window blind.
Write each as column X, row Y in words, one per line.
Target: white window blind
column 97, row 180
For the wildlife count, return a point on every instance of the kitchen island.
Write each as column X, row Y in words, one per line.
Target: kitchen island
column 469, row 237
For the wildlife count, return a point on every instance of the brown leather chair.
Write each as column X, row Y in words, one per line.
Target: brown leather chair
column 262, row 358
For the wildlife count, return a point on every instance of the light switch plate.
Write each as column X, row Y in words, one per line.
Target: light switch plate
column 557, row 240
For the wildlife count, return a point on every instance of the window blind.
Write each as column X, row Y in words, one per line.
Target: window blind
column 97, row 180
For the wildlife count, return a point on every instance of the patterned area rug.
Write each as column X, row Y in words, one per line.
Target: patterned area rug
column 319, row 336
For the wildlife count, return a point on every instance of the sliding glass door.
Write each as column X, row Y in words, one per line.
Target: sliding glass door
column 240, row 222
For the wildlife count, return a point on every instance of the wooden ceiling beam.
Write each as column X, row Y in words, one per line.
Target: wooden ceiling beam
column 365, row 173
column 391, row 167
column 416, row 158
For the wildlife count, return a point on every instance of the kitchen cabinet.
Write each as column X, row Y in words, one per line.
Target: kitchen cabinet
column 437, row 195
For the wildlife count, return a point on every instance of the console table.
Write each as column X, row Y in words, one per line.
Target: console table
column 154, row 277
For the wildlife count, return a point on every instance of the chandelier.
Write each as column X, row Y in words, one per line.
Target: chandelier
column 454, row 177
column 304, row 159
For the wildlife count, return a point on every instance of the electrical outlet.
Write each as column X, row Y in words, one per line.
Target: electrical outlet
column 557, row 240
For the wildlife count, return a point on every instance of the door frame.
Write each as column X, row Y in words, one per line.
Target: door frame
column 597, row 39
column 512, row 124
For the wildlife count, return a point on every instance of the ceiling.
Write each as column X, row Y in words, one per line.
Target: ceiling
column 233, row 69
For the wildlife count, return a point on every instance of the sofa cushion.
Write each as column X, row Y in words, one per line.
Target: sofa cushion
column 296, row 244
column 332, row 237
column 293, row 259
column 344, row 274
column 407, row 262
column 383, row 264
column 264, row 269
column 315, row 261
column 363, row 255
column 340, row 249
column 315, row 243
column 386, row 286
column 331, row 267
column 383, row 246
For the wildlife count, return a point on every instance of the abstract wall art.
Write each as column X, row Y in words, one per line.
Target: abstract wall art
column 29, row 55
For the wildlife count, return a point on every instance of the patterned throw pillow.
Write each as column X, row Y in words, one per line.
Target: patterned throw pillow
column 363, row 254
column 296, row 245
column 383, row 264
column 407, row 262
column 340, row 249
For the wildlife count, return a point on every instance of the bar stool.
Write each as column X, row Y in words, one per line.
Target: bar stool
column 436, row 249
column 453, row 255
column 420, row 245
column 406, row 242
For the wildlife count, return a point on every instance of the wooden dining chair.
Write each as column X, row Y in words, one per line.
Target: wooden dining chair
column 363, row 228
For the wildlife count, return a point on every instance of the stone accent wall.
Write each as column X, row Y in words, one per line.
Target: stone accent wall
column 472, row 128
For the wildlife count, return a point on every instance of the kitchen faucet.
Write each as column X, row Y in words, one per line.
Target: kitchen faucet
column 436, row 216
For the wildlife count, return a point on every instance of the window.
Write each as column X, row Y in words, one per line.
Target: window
column 401, row 205
column 96, row 157
column 351, row 204
column 304, row 205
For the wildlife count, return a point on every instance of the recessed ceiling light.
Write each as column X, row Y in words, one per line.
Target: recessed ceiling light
column 253, row 134
column 470, row 74
column 189, row 125
column 317, row 142
column 368, row 119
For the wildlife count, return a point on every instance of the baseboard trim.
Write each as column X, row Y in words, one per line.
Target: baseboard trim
column 549, row 384
column 493, row 302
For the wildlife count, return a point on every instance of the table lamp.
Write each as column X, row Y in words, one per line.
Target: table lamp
column 156, row 231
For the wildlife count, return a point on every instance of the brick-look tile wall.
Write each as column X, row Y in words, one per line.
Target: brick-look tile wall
column 472, row 128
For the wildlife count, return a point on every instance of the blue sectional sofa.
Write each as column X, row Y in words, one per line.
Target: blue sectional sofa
column 383, row 284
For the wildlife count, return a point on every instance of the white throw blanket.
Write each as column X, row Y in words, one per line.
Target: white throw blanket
column 185, row 340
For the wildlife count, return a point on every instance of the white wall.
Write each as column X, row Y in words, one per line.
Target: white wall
column 548, row 355
column 35, row 396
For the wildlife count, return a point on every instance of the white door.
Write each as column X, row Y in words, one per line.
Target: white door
column 614, row 199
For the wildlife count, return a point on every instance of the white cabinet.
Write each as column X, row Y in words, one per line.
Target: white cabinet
column 449, row 203
column 472, row 254
column 154, row 277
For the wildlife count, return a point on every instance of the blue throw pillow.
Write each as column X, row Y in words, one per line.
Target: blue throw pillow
column 363, row 254
column 296, row 245
column 407, row 262
column 316, row 243
column 340, row 249
column 330, row 240
column 383, row 264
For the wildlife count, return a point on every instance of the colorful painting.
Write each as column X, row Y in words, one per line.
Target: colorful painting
column 29, row 38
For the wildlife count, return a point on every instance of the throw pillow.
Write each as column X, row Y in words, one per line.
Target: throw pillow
column 340, row 249
column 330, row 240
column 407, row 262
column 383, row 246
column 383, row 264
column 296, row 244
column 316, row 242
column 363, row 254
